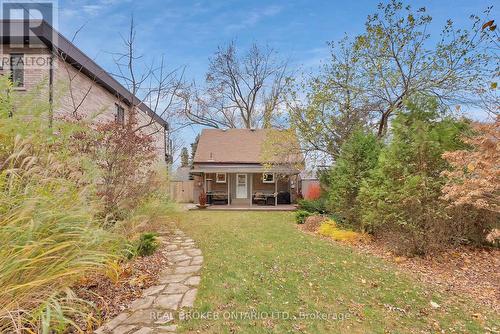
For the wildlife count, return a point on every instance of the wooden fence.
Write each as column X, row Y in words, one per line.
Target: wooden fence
column 182, row 191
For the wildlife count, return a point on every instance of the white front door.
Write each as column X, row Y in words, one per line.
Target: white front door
column 241, row 185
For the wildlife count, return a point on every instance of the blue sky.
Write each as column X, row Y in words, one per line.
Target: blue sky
column 188, row 32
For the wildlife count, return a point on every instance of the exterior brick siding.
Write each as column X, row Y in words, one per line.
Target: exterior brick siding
column 99, row 103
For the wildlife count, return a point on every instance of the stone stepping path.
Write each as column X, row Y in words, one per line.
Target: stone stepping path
column 156, row 310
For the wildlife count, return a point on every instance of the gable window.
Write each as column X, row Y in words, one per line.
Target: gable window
column 17, row 69
column 120, row 114
column 220, row 178
column 268, row 178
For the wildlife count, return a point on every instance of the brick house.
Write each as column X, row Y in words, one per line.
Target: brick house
column 36, row 56
column 230, row 166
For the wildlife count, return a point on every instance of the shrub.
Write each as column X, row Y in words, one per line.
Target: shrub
column 301, row 216
column 473, row 183
column 330, row 229
column 400, row 200
column 357, row 158
column 147, row 244
column 49, row 238
column 124, row 159
column 314, row 206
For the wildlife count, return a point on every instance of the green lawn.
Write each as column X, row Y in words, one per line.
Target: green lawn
column 260, row 262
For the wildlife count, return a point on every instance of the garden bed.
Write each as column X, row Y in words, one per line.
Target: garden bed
column 466, row 271
column 114, row 290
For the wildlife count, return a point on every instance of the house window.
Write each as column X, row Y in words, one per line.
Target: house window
column 220, row 178
column 17, row 69
column 267, row 178
column 120, row 114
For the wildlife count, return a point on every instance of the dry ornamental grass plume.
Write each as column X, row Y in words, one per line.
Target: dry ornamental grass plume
column 475, row 176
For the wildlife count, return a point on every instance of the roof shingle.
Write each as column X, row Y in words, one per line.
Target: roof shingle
column 235, row 146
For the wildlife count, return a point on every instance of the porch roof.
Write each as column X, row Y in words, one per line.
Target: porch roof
column 242, row 168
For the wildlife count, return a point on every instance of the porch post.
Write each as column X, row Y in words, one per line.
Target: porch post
column 228, row 189
column 205, row 184
column 251, row 186
column 275, row 189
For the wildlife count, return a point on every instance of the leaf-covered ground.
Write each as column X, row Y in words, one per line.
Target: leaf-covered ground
column 262, row 275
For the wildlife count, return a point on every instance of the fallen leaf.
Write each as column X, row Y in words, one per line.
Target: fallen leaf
column 435, row 305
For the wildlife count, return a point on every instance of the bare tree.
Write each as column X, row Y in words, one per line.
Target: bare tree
column 242, row 91
column 153, row 84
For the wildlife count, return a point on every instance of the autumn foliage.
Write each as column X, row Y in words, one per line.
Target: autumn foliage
column 125, row 157
column 475, row 177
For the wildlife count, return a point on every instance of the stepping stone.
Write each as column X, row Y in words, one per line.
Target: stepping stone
column 189, row 297
column 197, row 260
column 153, row 290
column 176, row 252
column 167, row 329
column 144, row 330
column 194, row 252
column 142, row 303
column 123, row 329
column 187, row 270
column 173, row 278
column 175, row 288
column 179, row 258
column 112, row 323
column 170, row 302
column 140, row 316
column 184, row 263
column 194, row 280
column 163, row 317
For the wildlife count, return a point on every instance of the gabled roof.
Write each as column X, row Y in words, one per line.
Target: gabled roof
column 244, row 146
column 47, row 35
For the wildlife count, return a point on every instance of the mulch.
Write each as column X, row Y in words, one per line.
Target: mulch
column 110, row 296
column 463, row 271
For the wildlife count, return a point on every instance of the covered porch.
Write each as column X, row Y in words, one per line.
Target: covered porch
column 234, row 207
column 243, row 189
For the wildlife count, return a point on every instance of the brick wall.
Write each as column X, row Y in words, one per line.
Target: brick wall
column 74, row 90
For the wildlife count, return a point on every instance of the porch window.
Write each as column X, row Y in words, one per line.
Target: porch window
column 220, row 177
column 268, row 178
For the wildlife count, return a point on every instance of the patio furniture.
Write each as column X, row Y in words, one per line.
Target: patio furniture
column 264, row 198
column 217, row 197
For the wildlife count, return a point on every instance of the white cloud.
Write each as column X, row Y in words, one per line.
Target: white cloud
column 92, row 9
column 253, row 17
